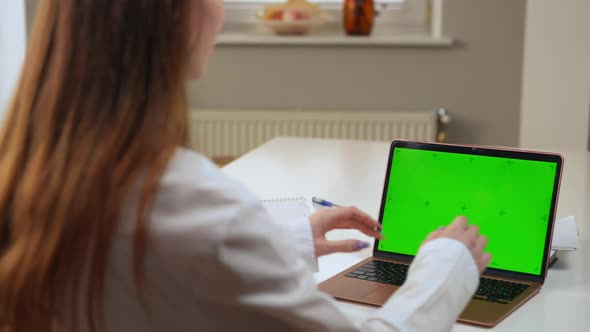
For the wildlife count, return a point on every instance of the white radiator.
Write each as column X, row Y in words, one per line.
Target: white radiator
column 231, row 133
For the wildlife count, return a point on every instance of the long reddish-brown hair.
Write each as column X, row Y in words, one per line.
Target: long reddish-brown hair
column 100, row 108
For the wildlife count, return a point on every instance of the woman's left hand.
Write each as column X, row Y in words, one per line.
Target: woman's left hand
column 325, row 220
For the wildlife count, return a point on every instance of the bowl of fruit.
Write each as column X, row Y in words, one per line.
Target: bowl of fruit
column 294, row 17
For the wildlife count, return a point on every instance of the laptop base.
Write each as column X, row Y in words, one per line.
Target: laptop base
column 477, row 312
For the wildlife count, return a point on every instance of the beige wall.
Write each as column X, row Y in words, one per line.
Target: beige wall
column 30, row 7
column 556, row 81
column 478, row 79
column 12, row 49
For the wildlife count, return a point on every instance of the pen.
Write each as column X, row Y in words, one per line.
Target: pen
column 323, row 202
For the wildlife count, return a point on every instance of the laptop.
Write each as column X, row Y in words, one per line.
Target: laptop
column 510, row 194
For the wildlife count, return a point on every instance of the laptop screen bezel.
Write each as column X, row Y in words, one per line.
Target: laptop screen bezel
column 479, row 151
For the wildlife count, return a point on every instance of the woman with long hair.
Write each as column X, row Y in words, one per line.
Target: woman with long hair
column 108, row 224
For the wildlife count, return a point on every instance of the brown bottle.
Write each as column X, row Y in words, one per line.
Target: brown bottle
column 358, row 17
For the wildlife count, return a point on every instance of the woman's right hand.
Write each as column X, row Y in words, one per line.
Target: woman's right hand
column 469, row 236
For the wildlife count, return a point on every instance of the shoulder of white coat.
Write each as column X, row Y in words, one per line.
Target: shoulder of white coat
column 193, row 190
column 189, row 171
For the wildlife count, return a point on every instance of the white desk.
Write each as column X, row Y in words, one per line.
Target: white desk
column 352, row 173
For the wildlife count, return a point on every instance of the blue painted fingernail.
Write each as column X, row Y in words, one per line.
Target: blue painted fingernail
column 361, row 245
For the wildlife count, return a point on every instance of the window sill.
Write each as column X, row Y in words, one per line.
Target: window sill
column 332, row 39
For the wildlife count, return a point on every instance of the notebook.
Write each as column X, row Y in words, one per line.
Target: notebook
column 510, row 194
column 289, row 208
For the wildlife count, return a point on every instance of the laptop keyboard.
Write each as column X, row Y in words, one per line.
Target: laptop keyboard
column 501, row 291
column 383, row 272
column 491, row 290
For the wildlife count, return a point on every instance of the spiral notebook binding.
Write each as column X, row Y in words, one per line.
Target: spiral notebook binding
column 283, row 199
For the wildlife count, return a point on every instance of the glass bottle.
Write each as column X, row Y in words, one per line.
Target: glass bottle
column 358, row 16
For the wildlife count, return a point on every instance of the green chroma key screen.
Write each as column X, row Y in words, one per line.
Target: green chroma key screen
column 509, row 199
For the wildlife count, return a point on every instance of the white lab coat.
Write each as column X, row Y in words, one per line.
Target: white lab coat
column 217, row 262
